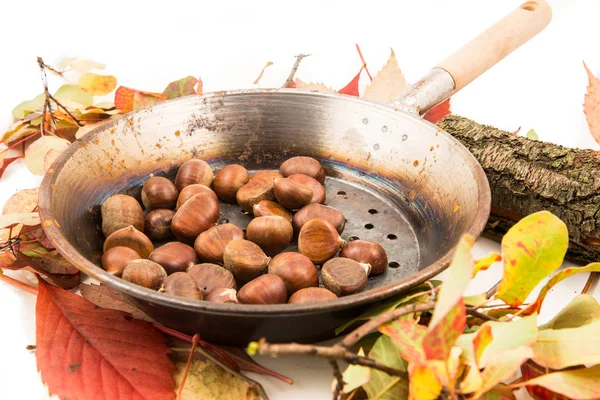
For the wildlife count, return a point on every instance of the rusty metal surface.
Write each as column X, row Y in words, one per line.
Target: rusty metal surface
column 427, row 188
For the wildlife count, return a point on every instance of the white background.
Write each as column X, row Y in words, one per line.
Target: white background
column 540, row 86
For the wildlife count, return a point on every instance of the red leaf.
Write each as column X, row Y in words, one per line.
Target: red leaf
column 125, row 97
column 5, row 164
column 291, row 85
column 52, row 265
column 531, row 370
column 437, row 113
column 352, row 87
column 440, row 338
column 86, row 352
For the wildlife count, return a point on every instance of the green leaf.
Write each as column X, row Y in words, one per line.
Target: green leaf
column 475, row 299
column 382, row 386
column 580, row 311
column 356, row 375
column 531, row 134
column 19, row 132
column 532, row 249
column 582, row 383
column 182, row 87
column 70, row 94
column 502, row 367
column 25, row 107
column 499, row 392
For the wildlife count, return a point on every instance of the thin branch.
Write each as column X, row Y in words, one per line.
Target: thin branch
column 492, row 291
column 339, row 379
column 77, row 122
column 18, row 283
column 363, row 61
column 195, row 341
column 290, row 77
column 356, row 335
column 19, row 142
column 591, row 283
column 43, row 66
column 478, row 314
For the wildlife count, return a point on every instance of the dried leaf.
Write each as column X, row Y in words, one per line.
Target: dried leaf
column 381, row 385
column 262, row 72
column 439, row 340
column 28, row 106
column 88, row 352
column 580, row 311
column 5, row 162
column 32, row 249
column 97, row 84
column 407, row 336
column 36, row 151
column 356, row 375
column 179, row 88
column 142, row 100
column 199, row 87
column 23, row 201
column 424, row 383
column 591, row 104
column 387, row 85
column 531, row 134
column 19, row 132
column 530, row 370
column 125, row 98
column 484, row 263
column 532, row 249
column 46, row 263
column 319, row 87
column 28, row 219
column 481, row 341
column 207, row 380
column 66, row 129
column 351, row 88
column 81, row 66
column 499, row 392
column 503, row 366
column 437, row 113
column 582, row 383
column 40, row 236
column 107, row 297
column 73, row 96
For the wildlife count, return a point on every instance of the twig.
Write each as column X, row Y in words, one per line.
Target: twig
column 290, row 77
column 492, row 291
column 19, row 142
column 335, row 352
column 195, row 341
column 339, row 379
column 363, row 61
column 591, row 283
column 18, row 284
column 43, row 66
column 478, row 314
column 77, row 122
column 356, row 335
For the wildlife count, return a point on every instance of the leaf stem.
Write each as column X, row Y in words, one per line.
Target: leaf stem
column 195, row 341
column 591, row 282
column 19, row 284
column 364, row 62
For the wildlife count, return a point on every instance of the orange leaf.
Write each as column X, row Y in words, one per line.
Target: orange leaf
column 437, row 113
column 262, row 72
column 423, row 383
column 591, row 104
column 352, row 87
column 124, row 98
column 407, row 335
column 481, row 341
column 199, row 87
column 440, row 338
column 86, row 352
column 97, row 84
column 484, row 263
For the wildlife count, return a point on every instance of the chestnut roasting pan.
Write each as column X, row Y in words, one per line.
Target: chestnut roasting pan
column 399, row 180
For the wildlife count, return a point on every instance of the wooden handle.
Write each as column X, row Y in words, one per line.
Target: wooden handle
column 491, row 46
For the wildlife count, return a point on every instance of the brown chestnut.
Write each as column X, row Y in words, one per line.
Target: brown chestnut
column 222, row 295
column 267, row 208
column 266, row 289
column 291, row 194
column 303, row 165
column 182, row 285
column 211, row 243
column 253, row 192
column 344, row 276
column 120, row 211
column 159, row 192
column 195, row 216
column 145, row 273
column 296, row 270
column 158, row 224
column 209, row 277
column 244, row 259
column 116, row 259
column 174, row 257
column 266, row 176
column 366, row 252
column 229, row 180
column 311, row 295
column 132, row 238
column 272, row 234
column 311, row 211
column 318, row 189
column 319, row 241
column 194, row 171
column 190, row 190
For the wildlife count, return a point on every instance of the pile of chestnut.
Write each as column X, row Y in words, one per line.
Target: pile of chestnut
column 210, row 261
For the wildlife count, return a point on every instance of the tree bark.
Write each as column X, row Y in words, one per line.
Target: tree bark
column 527, row 176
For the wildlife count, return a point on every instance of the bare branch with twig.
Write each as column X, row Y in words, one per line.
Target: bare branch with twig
column 290, row 78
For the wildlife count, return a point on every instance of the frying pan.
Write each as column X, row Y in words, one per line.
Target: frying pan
column 399, row 180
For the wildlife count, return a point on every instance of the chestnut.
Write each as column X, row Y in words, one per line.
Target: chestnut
column 317, row 188
column 209, row 277
column 174, row 257
column 244, row 259
column 303, row 165
column 291, row 194
column 311, row 295
column 344, row 276
column 366, row 252
column 266, row 176
column 253, row 192
column 195, row 216
column 158, row 224
column 159, row 192
column 222, row 295
column 145, row 273
column 319, row 241
column 132, row 238
column 311, row 211
column 272, row 234
column 211, row 243
column 182, row 285
column 296, row 271
column 115, row 259
column 267, row 208
column 120, row 211
column 266, row 289
column 190, row 190
column 194, row 171
column 229, row 180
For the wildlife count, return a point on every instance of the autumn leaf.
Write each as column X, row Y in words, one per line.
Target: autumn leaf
column 49, row 158
column 97, row 84
column 502, row 367
column 179, row 88
column 50, row 264
column 440, row 338
column 484, row 263
column 262, row 72
column 407, row 336
column 5, row 162
column 356, row 375
column 36, row 151
column 475, row 299
column 319, row 87
column 531, row 134
column 28, row 106
column 499, row 392
column 530, row 370
column 81, row 66
column 581, row 383
column 351, row 88
column 437, row 113
column 591, row 104
column 424, row 383
column 85, row 352
column 481, row 341
column 381, row 385
column 66, row 129
column 23, row 201
column 388, row 84
column 28, row 219
column 532, row 249
column 109, row 298
column 19, row 131
column 580, row 311
column 73, row 96
column 40, row 236
column 126, row 100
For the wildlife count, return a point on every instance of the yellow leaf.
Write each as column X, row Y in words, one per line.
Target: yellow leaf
column 503, row 366
column 97, row 84
column 387, row 85
column 29, row 219
column 484, row 263
column 28, row 106
column 36, row 152
column 424, row 383
column 268, row 64
column 319, row 87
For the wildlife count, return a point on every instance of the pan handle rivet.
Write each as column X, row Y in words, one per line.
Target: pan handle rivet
column 365, row 121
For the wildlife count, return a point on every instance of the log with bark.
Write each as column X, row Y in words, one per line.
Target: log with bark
column 527, row 176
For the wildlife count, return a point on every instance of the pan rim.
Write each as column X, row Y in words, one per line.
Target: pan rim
column 53, row 230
